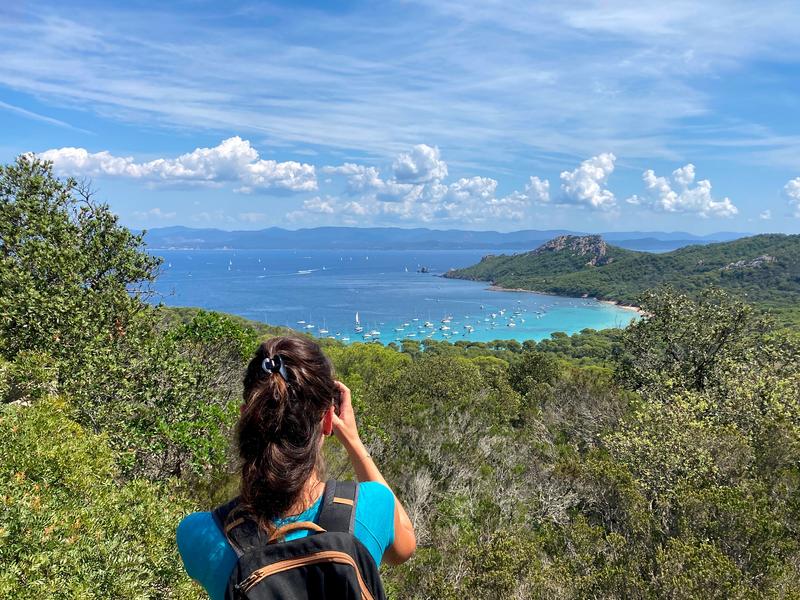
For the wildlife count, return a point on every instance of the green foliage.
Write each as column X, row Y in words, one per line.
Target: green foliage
column 659, row 461
column 531, row 370
column 32, row 375
column 764, row 269
column 71, row 278
column 686, row 345
column 68, row 527
column 73, row 320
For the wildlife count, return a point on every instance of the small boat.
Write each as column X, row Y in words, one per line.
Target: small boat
column 444, row 328
column 301, row 322
column 375, row 333
column 428, row 324
column 310, row 326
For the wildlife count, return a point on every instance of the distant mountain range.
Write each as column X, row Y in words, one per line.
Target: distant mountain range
column 764, row 269
column 396, row 238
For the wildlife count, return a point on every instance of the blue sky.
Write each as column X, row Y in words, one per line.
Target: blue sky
column 590, row 115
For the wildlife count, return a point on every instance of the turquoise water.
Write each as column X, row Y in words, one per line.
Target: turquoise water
column 320, row 292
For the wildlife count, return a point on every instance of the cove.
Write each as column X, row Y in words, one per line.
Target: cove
column 396, row 294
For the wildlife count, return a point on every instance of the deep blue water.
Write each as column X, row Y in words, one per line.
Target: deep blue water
column 323, row 289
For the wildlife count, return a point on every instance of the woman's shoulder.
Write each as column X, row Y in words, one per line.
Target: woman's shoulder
column 374, row 494
column 206, row 554
column 374, row 522
column 195, row 527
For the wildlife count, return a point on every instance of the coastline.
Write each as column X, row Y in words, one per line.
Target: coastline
column 636, row 309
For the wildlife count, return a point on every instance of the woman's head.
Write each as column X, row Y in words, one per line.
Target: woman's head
column 281, row 426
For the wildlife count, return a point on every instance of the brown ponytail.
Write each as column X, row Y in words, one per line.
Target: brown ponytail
column 280, row 427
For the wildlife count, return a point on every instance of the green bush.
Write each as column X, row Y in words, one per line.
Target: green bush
column 69, row 528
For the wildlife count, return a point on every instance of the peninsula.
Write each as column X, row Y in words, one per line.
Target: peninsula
column 763, row 269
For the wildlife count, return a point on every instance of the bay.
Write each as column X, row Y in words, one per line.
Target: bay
column 320, row 292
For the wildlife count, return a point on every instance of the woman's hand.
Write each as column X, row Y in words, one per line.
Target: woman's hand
column 344, row 424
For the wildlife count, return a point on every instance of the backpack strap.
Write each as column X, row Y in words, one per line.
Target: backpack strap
column 338, row 512
column 241, row 532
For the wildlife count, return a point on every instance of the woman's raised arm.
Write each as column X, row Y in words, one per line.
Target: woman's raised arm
column 346, row 430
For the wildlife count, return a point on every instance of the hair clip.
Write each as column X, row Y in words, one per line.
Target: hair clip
column 275, row 364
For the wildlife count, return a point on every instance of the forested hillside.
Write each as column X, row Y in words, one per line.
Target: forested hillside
column 764, row 269
column 662, row 461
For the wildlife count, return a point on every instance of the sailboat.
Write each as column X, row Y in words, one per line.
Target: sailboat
column 358, row 326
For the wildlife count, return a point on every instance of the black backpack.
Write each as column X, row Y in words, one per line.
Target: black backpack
column 328, row 563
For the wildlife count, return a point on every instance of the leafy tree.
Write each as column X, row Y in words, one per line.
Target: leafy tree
column 685, row 344
column 71, row 278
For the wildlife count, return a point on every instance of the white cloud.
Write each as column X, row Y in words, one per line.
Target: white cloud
column 466, row 189
column 214, row 218
column 154, row 213
column 234, row 160
column 538, row 190
column 676, row 194
column 367, row 180
column 792, row 192
column 586, row 185
column 765, row 215
column 468, row 199
column 252, row 217
column 356, row 209
column 313, row 208
column 319, row 205
column 360, row 178
column 421, row 165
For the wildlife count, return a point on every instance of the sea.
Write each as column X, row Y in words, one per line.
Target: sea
column 370, row 295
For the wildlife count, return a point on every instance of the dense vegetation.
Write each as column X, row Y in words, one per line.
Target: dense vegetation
column 658, row 461
column 764, row 269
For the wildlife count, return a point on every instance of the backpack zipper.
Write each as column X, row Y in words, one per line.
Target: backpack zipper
column 284, row 565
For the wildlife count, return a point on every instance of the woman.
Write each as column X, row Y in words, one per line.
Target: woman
column 291, row 403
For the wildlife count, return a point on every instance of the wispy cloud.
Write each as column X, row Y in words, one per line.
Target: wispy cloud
column 522, row 78
column 37, row 117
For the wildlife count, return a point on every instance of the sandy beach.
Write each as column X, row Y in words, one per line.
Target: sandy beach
column 636, row 309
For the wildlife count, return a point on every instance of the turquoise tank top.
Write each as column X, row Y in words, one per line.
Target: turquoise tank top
column 209, row 559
